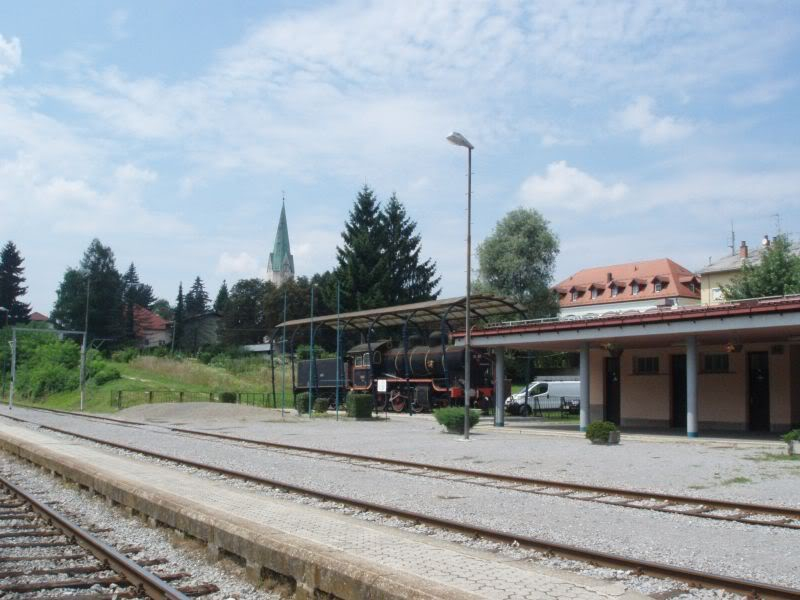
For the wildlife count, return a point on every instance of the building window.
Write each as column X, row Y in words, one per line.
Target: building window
column 614, row 291
column 659, row 286
column 716, row 363
column 645, row 365
column 573, row 296
column 635, row 289
column 716, row 294
column 692, row 287
column 594, row 293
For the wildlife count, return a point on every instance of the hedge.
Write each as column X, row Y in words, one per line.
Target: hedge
column 599, row 430
column 321, row 405
column 359, row 405
column 301, row 403
column 453, row 418
column 227, row 397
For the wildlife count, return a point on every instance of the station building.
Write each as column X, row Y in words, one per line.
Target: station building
column 732, row 366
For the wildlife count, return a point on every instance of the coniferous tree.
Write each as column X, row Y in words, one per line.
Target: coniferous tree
column 361, row 266
column 222, row 298
column 244, row 319
column 11, row 286
column 98, row 271
column 180, row 310
column 408, row 279
column 136, row 292
column 196, row 299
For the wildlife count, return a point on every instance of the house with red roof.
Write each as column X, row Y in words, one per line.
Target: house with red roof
column 150, row 329
column 635, row 286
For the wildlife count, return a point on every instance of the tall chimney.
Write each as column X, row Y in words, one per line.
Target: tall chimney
column 743, row 250
column 608, row 278
column 765, row 241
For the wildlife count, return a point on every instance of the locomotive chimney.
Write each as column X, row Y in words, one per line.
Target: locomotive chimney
column 743, row 250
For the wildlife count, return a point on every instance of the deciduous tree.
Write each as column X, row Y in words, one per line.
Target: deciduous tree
column 776, row 274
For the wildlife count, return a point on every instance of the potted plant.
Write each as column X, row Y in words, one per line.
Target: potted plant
column 453, row 418
column 792, row 440
column 602, row 432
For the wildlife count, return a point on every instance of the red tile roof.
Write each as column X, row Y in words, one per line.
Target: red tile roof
column 37, row 316
column 145, row 320
column 675, row 277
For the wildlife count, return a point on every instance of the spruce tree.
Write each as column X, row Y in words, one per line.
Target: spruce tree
column 177, row 323
column 106, row 313
column 361, row 267
column 136, row 292
column 11, row 286
column 196, row 299
column 408, row 280
column 222, row 298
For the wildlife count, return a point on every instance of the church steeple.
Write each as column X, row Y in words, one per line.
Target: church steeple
column 281, row 261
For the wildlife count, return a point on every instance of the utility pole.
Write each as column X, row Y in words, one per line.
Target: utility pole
column 83, row 345
column 283, row 361
column 312, row 370
column 13, row 367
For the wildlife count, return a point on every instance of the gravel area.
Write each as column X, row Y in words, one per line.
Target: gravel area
column 761, row 553
column 91, row 512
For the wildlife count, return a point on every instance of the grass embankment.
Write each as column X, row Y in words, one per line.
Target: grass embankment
column 150, row 373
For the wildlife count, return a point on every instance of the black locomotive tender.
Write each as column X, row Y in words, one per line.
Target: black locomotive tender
column 433, row 376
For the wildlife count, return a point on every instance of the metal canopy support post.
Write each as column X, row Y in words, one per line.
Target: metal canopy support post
column 691, row 386
column 584, row 371
column 499, row 387
column 312, row 371
column 13, row 367
column 467, row 332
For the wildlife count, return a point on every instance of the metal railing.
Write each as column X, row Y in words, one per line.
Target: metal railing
column 126, row 398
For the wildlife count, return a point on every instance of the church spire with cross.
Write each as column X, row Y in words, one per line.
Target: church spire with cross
column 281, row 261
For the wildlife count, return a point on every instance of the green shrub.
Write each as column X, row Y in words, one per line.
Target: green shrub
column 105, row 374
column 453, row 418
column 359, row 405
column 301, row 403
column 792, row 436
column 227, row 397
column 599, row 430
column 124, row 356
column 44, row 379
column 321, row 405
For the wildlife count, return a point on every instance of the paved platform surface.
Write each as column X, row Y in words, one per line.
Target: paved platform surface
column 321, row 550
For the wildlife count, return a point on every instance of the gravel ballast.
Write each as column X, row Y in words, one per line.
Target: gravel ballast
column 761, row 553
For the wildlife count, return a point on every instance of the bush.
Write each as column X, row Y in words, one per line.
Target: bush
column 227, row 397
column 42, row 380
column 792, row 436
column 124, row 356
column 301, row 403
column 599, row 430
column 321, row 405
column 453, row 418
column 105, row 374
column 359, row 405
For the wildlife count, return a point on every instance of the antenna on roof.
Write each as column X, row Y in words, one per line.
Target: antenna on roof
column 777, row 217
column 732, row 245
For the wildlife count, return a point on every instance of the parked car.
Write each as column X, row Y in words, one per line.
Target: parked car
column 546, row 395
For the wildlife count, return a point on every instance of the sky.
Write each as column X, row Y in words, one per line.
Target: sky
column 172, row 130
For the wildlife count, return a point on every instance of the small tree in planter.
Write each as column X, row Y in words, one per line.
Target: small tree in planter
column 602, row 432
column 792, row 440
column 453, row 418
column 301, row 403
column 321, row 405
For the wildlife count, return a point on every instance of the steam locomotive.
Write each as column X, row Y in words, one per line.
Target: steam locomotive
column 428, row 376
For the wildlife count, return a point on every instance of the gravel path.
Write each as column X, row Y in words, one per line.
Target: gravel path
column 91, row 512
column 761, row 553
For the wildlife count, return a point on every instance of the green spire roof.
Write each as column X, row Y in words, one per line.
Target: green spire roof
column 281, row 260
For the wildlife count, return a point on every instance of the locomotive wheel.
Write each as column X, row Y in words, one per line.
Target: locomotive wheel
column 417, row 407
column 398, row 401
column 444, row 402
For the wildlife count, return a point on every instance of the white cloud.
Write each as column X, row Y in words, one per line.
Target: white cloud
column 117, row 22
column 639, row 116
column 242, row 264
column 762, row 93
column 568, row 188
column 10, row 55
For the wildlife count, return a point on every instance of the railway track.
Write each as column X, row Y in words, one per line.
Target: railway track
column 750, row 588
column 43, row 553
column 703, row 508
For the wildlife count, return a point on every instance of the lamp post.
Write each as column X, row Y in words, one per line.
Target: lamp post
column 3, row 368
column 459, row 140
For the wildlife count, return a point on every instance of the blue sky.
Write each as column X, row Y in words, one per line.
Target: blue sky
column 171, row 129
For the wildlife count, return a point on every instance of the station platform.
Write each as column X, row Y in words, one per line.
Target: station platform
column 323, row 552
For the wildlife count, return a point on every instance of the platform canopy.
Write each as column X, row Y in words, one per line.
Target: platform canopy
column 482, row 307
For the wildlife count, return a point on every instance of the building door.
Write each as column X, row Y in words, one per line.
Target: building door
column 678, row 391
column 758, row 390
column 612, row 391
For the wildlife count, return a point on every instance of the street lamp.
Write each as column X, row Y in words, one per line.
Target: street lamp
column 459, row 140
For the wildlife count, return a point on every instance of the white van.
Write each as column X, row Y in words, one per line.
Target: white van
column 562, row 395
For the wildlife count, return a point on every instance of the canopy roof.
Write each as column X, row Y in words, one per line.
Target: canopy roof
column 482, row 306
